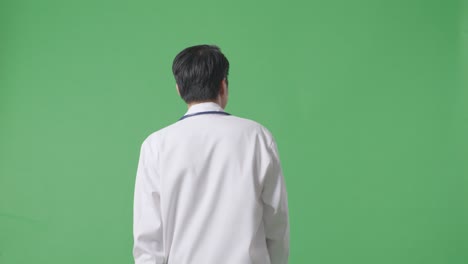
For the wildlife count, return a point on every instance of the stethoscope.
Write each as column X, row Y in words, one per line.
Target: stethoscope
column 205, row 113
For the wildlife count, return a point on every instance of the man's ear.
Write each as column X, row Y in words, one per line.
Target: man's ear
column 177, row 88
column 223, row 88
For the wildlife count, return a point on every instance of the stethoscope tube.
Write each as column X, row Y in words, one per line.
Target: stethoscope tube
column 205, row 113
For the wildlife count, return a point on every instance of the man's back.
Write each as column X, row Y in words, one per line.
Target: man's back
column 210, row 190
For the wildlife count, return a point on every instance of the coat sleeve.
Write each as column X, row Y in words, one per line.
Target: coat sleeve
column 147, row 223
column 275, row 212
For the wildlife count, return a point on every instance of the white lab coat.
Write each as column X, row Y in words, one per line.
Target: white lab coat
column 209, row 189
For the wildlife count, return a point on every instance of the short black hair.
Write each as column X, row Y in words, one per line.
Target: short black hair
column 198, row 71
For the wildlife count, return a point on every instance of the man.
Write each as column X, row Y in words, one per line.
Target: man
column 209, row 188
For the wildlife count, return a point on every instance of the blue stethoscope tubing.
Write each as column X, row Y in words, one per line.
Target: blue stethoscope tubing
column 205, row 113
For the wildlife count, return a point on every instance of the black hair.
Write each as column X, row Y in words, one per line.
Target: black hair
column 198, row 71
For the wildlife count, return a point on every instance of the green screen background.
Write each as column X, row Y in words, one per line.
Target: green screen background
column 367, row 100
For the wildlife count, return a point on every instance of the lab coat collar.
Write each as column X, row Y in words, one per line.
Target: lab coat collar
column 205, row 106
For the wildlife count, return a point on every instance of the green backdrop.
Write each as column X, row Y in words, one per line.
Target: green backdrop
column 367, row 100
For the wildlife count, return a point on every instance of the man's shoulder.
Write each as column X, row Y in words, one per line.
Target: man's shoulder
column 252, row 125
column 156, row 135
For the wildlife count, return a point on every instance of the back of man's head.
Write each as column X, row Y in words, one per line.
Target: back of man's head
column 198, row 71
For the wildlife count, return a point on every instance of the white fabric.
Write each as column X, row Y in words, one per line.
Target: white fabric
column 209, row 189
